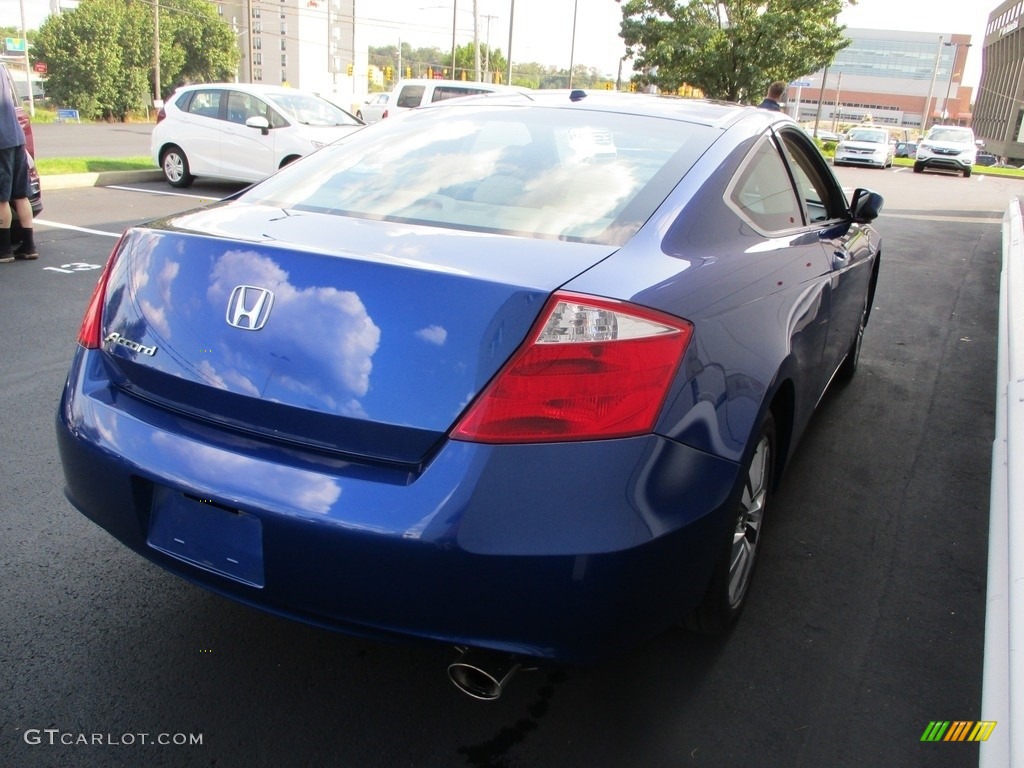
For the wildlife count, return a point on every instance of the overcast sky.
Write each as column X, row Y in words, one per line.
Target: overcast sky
column 543, row 28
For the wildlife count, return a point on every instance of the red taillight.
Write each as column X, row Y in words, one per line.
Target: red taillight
column 591, row 369
column 383, row 114
column 161, row 114
column 89, row 334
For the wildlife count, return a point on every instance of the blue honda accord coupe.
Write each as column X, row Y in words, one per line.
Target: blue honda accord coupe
column 516, row 373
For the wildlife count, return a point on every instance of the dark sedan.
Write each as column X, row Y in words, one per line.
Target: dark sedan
column 518, row 373
column 906, row 149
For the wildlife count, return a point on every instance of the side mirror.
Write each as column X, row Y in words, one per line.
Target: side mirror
column 259, row 121
column 866, row 205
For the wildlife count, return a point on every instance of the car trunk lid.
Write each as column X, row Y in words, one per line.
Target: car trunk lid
column 360, row 337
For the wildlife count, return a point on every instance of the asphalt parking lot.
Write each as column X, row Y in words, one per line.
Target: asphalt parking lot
column 866, row 620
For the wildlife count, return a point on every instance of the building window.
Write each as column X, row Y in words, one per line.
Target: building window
column 284, row 60
column 257, row 43
column 258, row 59
column 257, row 75
column 284, row 77
column 255, row 13
column 284, row 44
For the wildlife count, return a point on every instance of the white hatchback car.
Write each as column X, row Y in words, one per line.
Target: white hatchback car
column 241, row 131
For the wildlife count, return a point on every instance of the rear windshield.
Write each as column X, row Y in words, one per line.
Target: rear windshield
column 572, row 174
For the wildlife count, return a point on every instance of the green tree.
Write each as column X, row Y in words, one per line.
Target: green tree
column 99, row 56
column 465, row 61
column 730, row 49
column 196, row 45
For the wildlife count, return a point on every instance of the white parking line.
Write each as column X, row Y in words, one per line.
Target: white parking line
column 164, row 192
column 86, row 230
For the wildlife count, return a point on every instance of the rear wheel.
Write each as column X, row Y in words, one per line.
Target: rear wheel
column 727, row 592
column 175, row 167
column 967, row 173
column 918, row 167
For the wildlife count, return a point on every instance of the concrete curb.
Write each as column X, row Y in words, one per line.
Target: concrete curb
column 102, row 179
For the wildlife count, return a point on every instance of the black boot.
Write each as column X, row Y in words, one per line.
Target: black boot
column 27, row 249
column 5, row 246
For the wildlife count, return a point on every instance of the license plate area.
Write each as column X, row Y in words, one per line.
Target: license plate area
column 207, row 535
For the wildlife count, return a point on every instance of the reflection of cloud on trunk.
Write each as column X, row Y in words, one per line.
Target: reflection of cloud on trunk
column 319, row 328
column 434, row 334
column 214, row 468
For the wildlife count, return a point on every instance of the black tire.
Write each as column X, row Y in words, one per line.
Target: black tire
column 967, row 172
column 174, row 164
column 918, row 167
column 730, row 583
column 849, row 365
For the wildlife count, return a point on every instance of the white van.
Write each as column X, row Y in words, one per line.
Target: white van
column 409, row 94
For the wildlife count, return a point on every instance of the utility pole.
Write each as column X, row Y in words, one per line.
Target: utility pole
column 157, row 99
column 511, row 22
column 455, row 10
column 28, row 67
column 821, row 98
column 931, row 89
column 476, row 39
column 835, row 108
column 572, row 46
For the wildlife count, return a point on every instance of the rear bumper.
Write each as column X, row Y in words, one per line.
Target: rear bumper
column 565, row 551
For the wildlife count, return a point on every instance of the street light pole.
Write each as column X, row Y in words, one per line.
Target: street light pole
column 945, row 101
column 572, row 46
column 511, row 23
column 931, row 88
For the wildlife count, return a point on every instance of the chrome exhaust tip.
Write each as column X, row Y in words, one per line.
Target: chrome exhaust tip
column 482, row 674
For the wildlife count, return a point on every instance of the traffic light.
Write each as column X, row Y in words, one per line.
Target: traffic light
column 408, row 71
column 388, row 72
column 350, row 68
column 608, row 86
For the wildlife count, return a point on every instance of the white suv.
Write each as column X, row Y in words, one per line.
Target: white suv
column 947, row 147
column 241, row 131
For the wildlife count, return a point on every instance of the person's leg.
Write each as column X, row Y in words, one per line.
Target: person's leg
column 27, row 249
column 5, row 233
column 19, row 199
column 6, row 177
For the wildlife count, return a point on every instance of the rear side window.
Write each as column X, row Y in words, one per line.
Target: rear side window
column 411, row 96
column 443, row 92
column 206, row 103
column 763, row 194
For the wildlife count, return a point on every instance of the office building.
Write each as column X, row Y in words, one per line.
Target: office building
column 897, row 79
column 999, row 112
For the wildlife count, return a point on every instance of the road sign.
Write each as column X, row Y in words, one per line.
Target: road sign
column 801, row 84
column 40, row 67
column 15, row 44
